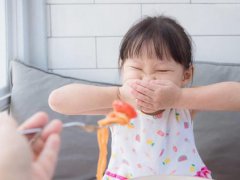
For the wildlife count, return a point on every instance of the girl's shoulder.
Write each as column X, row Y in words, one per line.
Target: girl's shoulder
column 193, row 113
column 185, row 113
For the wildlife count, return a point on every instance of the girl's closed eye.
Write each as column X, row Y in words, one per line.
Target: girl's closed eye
column 163, row 70
column 136, row 68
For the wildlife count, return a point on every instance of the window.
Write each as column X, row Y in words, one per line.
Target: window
column 3, row 56
column 3, row 45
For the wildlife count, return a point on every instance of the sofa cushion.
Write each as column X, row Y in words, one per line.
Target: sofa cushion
column 30, row 90
column 217, row 133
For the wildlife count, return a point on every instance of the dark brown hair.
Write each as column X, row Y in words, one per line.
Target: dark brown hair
column 161, row 37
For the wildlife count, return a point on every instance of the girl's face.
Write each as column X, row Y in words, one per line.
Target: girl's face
column 154, row 69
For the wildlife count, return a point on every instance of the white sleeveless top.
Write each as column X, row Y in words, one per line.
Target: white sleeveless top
column 157, row 145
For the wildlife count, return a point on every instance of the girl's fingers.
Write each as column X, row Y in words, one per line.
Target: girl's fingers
column 48, row 157
column 140, row 96
column 141, row 91
column 38, row 120
column 144, row 86
column 146, row 110
column 144, row 105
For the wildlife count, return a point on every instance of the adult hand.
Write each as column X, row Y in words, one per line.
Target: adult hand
column 45, row 149
column 21, row 161
column 155, row 95
column 15, row 153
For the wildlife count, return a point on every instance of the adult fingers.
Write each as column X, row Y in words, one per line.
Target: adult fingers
column 37, row 147
column 38, row 120
column 54, row 127
column 46, row 162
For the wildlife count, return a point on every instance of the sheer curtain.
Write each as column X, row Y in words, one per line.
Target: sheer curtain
column 4, row 86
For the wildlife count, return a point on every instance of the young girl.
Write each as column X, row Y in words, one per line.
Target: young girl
column 156, row 66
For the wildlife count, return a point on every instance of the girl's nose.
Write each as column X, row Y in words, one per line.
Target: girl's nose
column 148, row 77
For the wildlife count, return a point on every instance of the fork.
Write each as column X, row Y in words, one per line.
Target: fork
column 86, row 127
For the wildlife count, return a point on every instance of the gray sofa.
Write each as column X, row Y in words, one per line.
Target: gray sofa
column 217, row 133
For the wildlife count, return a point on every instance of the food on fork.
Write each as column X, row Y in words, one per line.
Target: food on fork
column 122, row 114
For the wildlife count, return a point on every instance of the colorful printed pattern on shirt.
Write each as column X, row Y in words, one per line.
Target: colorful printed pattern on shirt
column 161, row 144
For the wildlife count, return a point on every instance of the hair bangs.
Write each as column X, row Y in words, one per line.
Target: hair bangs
column 147, row 44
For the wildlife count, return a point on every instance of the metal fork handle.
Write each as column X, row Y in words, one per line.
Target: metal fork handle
column 30, row 131
column 88, row 128
column 71, row 124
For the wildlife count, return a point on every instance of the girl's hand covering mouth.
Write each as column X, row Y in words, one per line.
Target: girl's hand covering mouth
column 155, row 95
column 125, row 95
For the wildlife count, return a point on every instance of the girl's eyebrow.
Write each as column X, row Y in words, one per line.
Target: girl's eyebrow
column 163, row 66
column 135, row 62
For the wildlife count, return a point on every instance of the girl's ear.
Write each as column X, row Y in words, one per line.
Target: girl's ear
column 188, row 75
column 120, row 63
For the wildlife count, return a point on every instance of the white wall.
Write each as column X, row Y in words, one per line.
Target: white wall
column 84, row 35
column 27, row 32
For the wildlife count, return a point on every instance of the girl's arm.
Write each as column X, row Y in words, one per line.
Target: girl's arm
column 162, row 94
column 76, row 99
column 220, row 96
